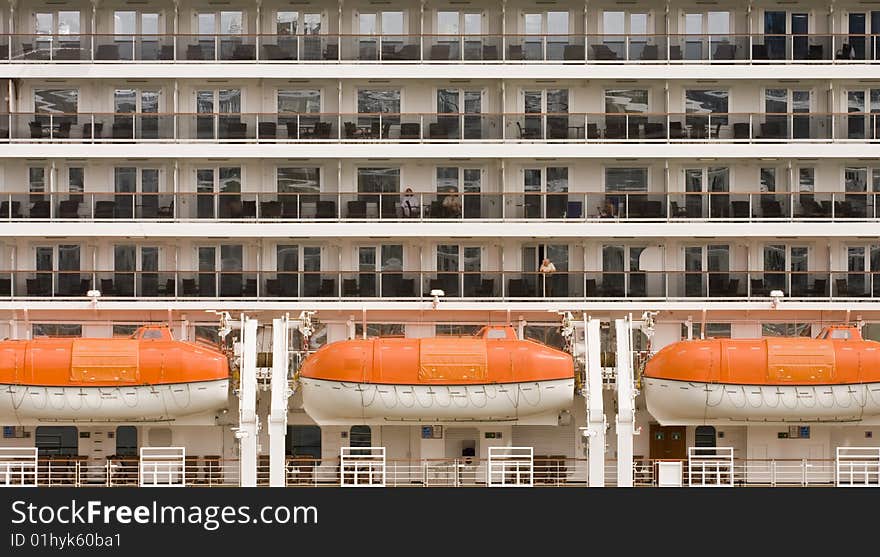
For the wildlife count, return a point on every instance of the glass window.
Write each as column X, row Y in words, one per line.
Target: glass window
column 56, row 101
column 300, row 101
column 707, row 101
column 380, row 330
column 626, row 179
column 124, row 330
column 126, row 441
column 57, row 441
column 360, row 436
column 619, row 101
column 785, row 329
column 547, row 334
column 56, row 330
column 304, row 440
column 456, row 330
column 299, row 180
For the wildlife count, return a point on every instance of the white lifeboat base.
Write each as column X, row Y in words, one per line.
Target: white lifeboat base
column 344, row 403
column 27, row 404
column 673, row 402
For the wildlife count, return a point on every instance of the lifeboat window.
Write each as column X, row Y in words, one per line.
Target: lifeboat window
column 304, row 440
column 153, row 334
column 496, row 333
column 126, row 440
column 840, row 333
column 360, row 436
column 704, row 436
column 57, row 441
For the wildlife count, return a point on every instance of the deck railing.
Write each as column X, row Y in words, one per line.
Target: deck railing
column 431, row 127
column 731, row 48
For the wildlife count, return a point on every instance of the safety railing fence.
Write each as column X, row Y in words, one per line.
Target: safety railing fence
column 18, row 466
column 547, row 471
column 452, row 127
column 857, row 467
column 404, row 284
column 458, row 206
column 641, row 48
column 162, row 467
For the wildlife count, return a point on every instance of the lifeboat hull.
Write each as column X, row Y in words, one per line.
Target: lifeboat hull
column 347, row 403
column 30, row 404
column 675, row 402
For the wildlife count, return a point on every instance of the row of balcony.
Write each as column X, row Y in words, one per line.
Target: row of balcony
column 418, row 285
column 442, row 206
column 660, row 127
column 480, row 48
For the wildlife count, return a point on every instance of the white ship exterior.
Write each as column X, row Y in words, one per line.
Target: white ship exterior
column 405, row 168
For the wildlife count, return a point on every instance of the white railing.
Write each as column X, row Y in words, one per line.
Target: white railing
column 710, row 467
column 18, row 467
column 511, row 467
column 362, row 467
column 858, row 467
column 162, row 467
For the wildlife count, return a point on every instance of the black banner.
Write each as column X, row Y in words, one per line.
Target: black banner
column 410, row 521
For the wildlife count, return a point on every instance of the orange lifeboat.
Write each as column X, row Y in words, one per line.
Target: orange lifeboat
column 834, row 377
column 146, row 377
column 490, row 377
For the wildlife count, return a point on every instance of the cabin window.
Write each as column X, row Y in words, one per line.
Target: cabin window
column 380, row 330
column 124, row 330
column 785, row 329
column 304, row 440
column 840, row 333
column 152, row 334
column 458, row 330
column 360, row 436
column 56, row 330
column 704, row 436
column 496, row 333
column 713, row 330
column 126, row 440
column 57, row 441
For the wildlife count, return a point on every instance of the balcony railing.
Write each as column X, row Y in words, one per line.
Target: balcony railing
column 441, row 206
column 439, row 48
column 417, row 285
column 569, row 127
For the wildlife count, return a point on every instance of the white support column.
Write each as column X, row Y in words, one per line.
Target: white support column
column 596, row 422
column 625, row 420
column 278, row 403
column 248, row 422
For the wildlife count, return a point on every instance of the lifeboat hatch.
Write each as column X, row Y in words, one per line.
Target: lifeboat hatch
column 97, row 361
column 451, row 360
column 800, row 362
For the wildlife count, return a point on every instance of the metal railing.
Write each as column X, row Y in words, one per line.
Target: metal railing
column 268, row 206
column 721, row 285
column 836, row 48
column 431, row 127
column 547, row 470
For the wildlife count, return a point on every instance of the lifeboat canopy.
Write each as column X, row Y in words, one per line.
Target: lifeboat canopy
column 491, row 376
column 834, row 377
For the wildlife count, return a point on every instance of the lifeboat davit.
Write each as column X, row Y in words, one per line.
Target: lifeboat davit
column 146, row 377
column 490, row 377
column 834, row 377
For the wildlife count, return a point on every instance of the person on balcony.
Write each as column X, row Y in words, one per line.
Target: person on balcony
column 409, row 203
column 547, row 269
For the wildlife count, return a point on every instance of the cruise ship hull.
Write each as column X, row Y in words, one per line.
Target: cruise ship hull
column 345, row 403
column 33, row 404
column 674, row 402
